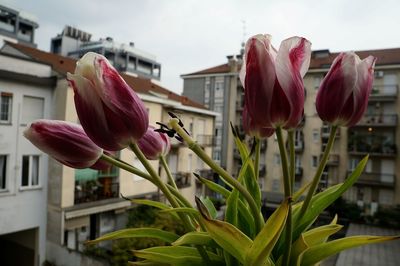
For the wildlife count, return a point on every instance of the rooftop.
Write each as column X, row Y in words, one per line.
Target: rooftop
column 321, row 59
column 62, row 65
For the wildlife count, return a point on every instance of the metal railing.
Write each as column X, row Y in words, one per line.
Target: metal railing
column 378, row 179
column 205, row 140
column 374, row 145
column 384, row 91
column 93, row 191
column 378, row 120
column 182, row 179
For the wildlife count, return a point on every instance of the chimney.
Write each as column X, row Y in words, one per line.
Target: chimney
column 232, row 63
column 131, row 44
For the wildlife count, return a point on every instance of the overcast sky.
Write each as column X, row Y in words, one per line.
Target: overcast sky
column 189, row 35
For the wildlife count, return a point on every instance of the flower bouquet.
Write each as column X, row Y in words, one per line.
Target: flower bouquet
column 113, row 118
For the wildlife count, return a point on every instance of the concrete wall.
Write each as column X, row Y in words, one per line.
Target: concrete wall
column 193, row 88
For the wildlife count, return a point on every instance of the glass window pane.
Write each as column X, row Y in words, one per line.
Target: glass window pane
column 32, row 109
column 35, row 170
column 25, row 171
column 5, row 108
column 3, row 168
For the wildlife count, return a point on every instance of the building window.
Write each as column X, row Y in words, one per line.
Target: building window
column 275, row 184
column 277, row 159
column 219, row 87
column 315, row 135
column 3, row 171
column 5, row 107
column 32, row 109
column 217, row 155
column 30, row 171
column 314, row 161
column 317, row 82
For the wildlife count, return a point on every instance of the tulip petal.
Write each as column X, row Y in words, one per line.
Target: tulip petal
column 336, row 88
column 292, row 63
column 362, row 90
column 89, row 106
column 66, row 142
column 121, row 99
column 260, row 77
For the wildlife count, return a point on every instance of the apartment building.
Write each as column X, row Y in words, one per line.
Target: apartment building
column 376, row 134
column 84, row 204
column 127, row 58
column 17, row 26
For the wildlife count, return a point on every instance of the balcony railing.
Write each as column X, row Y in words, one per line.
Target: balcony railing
column 374, row 145
column 333, row 160
column 205, row 140
column 376, row 179
column 298, row 145
column 298, row 172
column 94, row 191
column 378, row 120
column 182, row 179
column 388, row 91
column 325, row 132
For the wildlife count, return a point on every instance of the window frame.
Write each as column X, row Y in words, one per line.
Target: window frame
column 30, row 173
column 4, row 172
column 10, row 104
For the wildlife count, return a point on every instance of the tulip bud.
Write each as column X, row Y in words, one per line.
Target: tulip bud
column 64, row 141
column 154, row 144
column 343, row 95
column 252, row 129
column 274, row 89
column 110, row 112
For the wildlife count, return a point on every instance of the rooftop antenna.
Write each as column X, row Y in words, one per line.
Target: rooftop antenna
column 243, row 36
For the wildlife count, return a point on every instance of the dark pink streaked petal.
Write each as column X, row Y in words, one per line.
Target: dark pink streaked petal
column 252, row 129
column 65, row 141
column 259, row 80
column 336, row 88
column 154, row 144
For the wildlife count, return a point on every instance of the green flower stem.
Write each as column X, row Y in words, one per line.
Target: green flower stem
column 173, row 123
column 171, row 179
column 292, row 159
column 318, row 173
column 287, row 182
column 257, row 158
column 125, row 166
column 160, row 184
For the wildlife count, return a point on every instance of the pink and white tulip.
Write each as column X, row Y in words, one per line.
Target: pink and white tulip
column 110, row 112
column 253, row 129
column 273, row 80
column 154, row 144
column 64, row 141
column 343, row 95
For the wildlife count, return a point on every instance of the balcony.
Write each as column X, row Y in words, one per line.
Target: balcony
column 100, row 189
column 239, row 106
column 298, row 172
column 384, row 93
column 378, row 120
column 298, row 145
column 182, row 179
column 262, row 170
column 325, row 132
column 373, row 145
column 376, row 179
column 333, row 160
column 205, row 140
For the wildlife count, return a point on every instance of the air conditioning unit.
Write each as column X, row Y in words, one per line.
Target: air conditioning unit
column 379, row 74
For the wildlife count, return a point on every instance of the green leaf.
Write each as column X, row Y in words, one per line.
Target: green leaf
column 137, row 232
column 267, row 238
column 177, row 255
column 146, row 263
column 320, row 252
column 320, row 234
column 152, row 203
column 244, row 211
column 322, row 200
column 300, row 192
column 195, row 238
column 226, row 235
column 181, row 209
column 210, row 207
